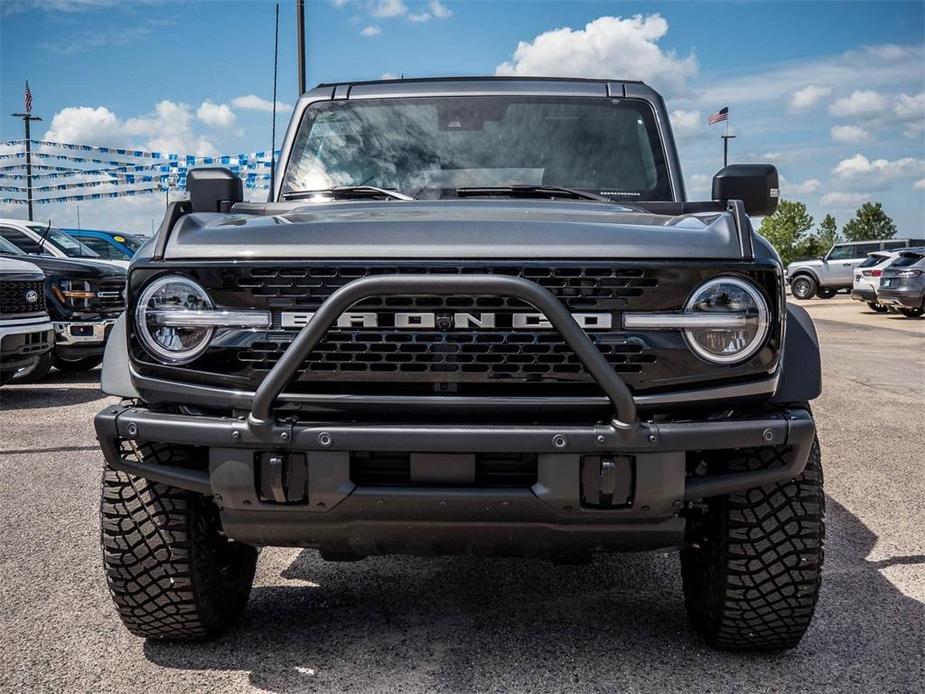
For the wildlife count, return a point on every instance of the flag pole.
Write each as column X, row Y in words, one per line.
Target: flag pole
column 27, row 119
column 726, row 139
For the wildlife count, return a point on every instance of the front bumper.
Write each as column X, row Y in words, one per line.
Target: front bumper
column 21, row 342
column 293, row 482
column 546, row 517
column 83, row 332
column 78, row 339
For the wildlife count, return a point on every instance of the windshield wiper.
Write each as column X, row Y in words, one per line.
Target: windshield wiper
column 529, row 191
column 44, row 236
column 342, row 192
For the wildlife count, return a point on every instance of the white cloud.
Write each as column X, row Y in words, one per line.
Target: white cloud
column 910, row 107
column 339, row 3
column 872, row 65
column 439, row 10
column 389, row 76
column 807, row 187
column 849, row 134
column 252, row 102
column 878, row 170
column 807, row 98
column 16, row 6
column 216, row 115
column 700, row 183
column 370, row 31
column 919, row 184
column 685, row 123
column 167, row 129
column 82, row 124
column 862, row 102
column 844, row 200
column 389, row 8
column 621, row 48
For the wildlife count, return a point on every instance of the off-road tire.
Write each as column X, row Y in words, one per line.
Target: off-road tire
column 36, row 372
column 878, row 308
column 751, row 575
column 77, row 365
column 825, row 293
column 912, row 312
column 171, row 572
column 803, row 287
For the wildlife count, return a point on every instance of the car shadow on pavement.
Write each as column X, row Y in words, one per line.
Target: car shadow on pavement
column 44, row 395
column 468, row 624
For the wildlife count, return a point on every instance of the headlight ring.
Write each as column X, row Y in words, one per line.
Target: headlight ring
column 172, row 344
column 728, row 345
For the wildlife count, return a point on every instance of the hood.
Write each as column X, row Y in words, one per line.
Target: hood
column 19, row 268
column 455, row 229
column 80, row 269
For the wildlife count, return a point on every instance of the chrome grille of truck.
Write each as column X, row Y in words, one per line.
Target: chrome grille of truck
column 110, row 295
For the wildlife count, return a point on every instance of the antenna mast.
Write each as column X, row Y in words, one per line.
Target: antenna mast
column 300, row 31
column 273, row 129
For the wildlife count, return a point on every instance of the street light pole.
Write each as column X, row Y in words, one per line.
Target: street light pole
column 27, row 119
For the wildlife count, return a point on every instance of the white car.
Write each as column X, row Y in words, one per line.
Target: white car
column 36, row 238
column 867, row 278
column 26, row 332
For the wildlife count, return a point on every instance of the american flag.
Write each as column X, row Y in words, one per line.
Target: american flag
column 28, row 98
column 719, row 116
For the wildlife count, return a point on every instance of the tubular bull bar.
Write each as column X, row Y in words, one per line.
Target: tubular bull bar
column 657, row 449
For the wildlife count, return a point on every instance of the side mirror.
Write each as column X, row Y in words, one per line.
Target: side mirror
column 755, row 185
column 213, row 189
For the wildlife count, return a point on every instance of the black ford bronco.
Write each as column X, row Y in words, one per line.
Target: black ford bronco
column 475, row 316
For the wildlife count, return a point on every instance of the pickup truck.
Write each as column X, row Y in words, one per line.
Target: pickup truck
column 25, row 329
column 474, row 316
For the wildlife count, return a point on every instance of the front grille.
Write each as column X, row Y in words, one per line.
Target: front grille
column 110, row 295
column 384, row 354
column 379, row 354
column 441, row 358
column 579, row 287
column 13, row 295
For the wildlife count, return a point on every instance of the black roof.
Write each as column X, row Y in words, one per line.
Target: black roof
column 482, row 78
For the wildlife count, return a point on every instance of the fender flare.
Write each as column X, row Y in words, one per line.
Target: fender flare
column 805, row 271
column 801, row 370
column 117, row 378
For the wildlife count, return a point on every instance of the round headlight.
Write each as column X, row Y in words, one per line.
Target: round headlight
column 744, row 311
column 169, row 343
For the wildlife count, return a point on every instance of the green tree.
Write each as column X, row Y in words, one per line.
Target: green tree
column 820, row 242
column 870, row 222
column 787, row 229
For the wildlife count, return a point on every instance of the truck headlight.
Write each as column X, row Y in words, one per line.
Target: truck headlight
column 741, row 307
column 171, row 343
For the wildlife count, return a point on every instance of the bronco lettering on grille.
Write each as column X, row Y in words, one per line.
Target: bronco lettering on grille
column 448, row 321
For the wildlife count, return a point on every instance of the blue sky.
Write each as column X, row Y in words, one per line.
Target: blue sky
column 833, row 93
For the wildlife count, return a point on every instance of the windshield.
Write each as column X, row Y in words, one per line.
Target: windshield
column 7, row 248
column 428, row 147
column 133, row 243
column 63, row 242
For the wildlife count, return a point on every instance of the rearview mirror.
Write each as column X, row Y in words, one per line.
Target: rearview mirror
column 755, row 185
column 213, row 189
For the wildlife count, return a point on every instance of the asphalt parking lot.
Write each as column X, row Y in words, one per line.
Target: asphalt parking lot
column 460, row 624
